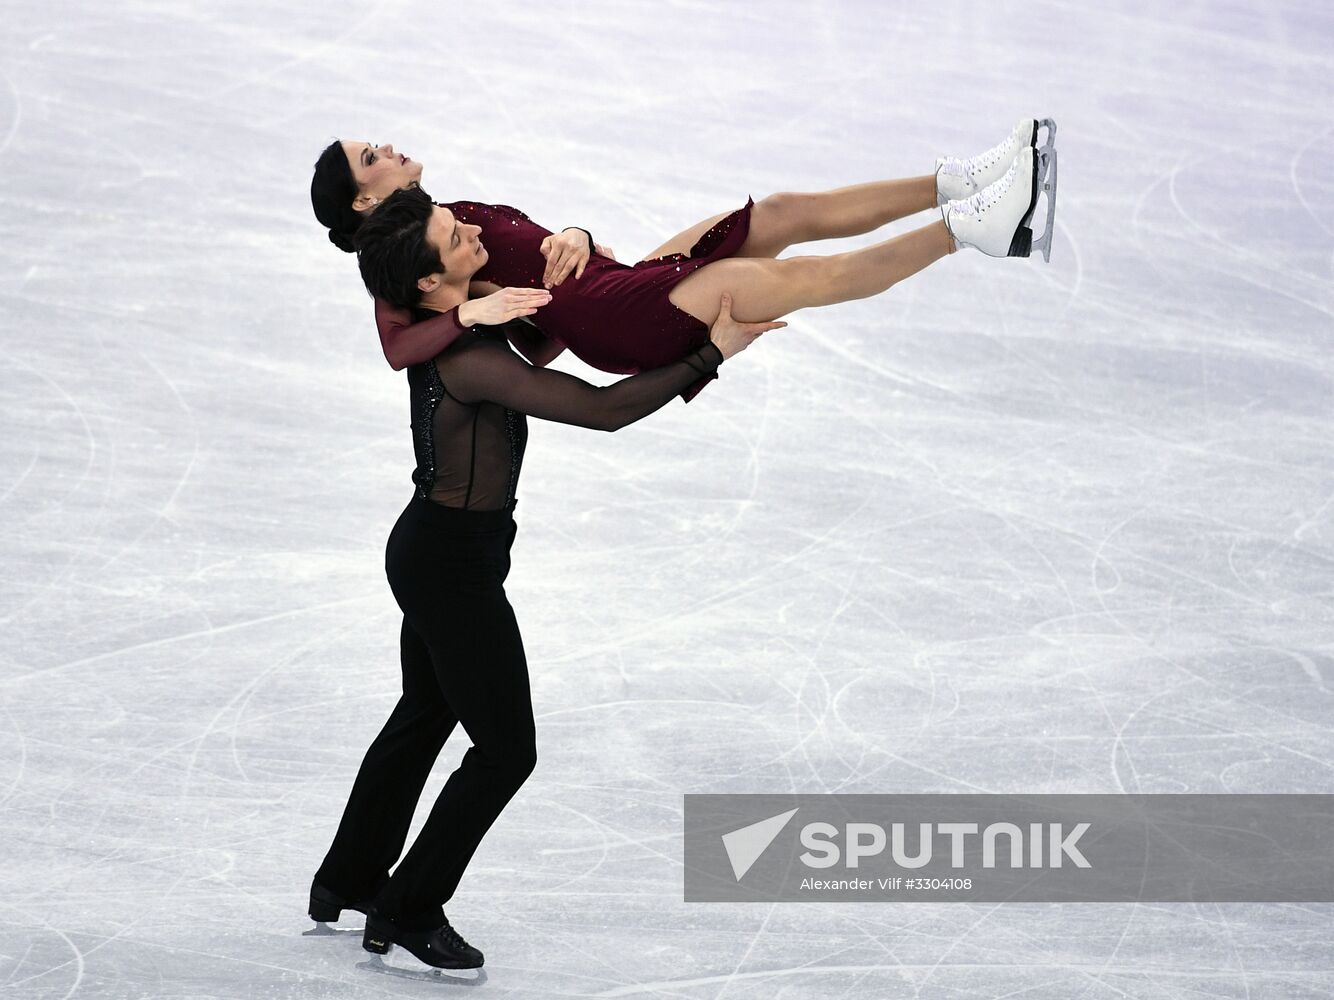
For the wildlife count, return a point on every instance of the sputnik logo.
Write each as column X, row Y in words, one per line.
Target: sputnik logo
column 745, row 846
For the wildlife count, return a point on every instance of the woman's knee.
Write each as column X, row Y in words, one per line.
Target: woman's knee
column 801, row 279
column 818, row 280
column 782, row 206
column 783, row 217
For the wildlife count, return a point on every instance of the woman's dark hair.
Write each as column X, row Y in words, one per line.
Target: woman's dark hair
column 332, row 191
column 392, row 249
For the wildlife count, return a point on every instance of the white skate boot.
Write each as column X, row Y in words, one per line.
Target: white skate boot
column 957, row 179
column 995, row 219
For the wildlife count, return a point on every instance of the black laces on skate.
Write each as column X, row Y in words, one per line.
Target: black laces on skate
column 452, row 937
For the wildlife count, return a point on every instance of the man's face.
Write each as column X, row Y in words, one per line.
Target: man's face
column 461, row 251
column 459, row 246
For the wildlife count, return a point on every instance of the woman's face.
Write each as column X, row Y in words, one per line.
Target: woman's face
column 379, row 172
column 461, row 251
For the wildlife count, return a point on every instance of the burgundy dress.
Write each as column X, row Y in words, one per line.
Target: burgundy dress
column 616, row 317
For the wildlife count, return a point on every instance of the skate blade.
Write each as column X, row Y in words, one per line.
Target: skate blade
column 1049, row 190
column 424, row 973
column 1049, row 144
column 1041, row 164
column 323, row 929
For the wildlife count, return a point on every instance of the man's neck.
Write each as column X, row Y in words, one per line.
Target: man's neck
column 443, row 299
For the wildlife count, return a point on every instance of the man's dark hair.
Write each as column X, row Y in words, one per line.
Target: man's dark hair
column 392, row 249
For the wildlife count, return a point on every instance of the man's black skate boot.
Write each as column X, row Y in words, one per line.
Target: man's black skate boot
column 327, row 906
column 441, row 947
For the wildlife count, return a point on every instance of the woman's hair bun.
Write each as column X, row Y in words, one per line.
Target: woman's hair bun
column 332, row 191
column 342, row 241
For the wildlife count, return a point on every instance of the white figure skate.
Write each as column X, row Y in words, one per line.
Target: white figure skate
column 995, row 219
column 957, row 179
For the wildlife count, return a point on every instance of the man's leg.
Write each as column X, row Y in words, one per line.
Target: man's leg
column 384, row 797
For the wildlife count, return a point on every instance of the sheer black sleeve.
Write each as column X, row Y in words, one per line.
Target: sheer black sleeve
column 486, row 371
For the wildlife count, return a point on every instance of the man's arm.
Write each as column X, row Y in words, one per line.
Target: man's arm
column 487, row 371
column 491, row 372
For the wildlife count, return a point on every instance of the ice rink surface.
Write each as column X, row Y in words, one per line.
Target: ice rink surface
column 1009, row 527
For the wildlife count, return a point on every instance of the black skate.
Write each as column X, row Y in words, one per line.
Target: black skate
column 326, row 907
column 442, row 948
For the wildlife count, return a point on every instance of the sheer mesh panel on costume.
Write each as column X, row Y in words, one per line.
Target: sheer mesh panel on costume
column 470, row 439
column 468, row 454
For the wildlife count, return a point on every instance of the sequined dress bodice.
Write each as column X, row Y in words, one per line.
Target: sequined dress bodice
column 616, row 317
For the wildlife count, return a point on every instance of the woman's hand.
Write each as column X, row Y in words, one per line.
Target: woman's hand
column 607, row 252
column 731, row 337
column 502, row 306
column 565, row 252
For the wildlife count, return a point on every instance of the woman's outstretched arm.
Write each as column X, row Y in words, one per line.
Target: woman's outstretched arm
column 407, row 343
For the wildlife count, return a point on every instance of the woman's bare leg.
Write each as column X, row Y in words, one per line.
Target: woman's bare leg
column 789, row 217
column 792, row 217
column 763, row 289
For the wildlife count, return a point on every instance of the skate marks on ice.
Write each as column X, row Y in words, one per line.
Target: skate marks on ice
column 1061, row 527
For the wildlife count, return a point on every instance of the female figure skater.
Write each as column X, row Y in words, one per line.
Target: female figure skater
column 668, row 299
column 446, row 560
